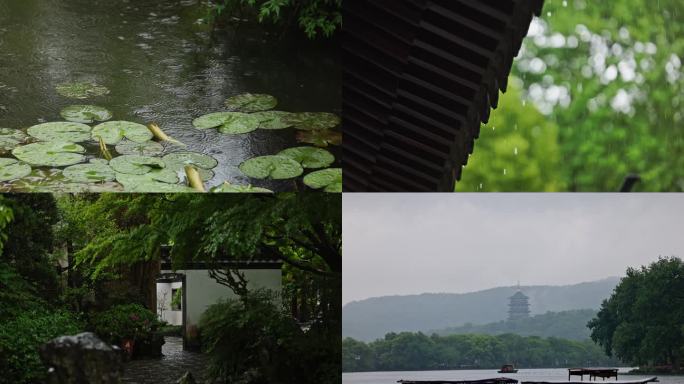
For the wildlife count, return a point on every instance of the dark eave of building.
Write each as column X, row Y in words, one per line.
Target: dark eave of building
column 419, row 77
column 222, row 263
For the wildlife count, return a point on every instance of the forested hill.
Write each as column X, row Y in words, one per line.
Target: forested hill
column 570, row 325
column 374, row 317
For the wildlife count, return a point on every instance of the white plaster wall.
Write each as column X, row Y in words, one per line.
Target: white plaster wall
column 203, row 291
column 171, row 317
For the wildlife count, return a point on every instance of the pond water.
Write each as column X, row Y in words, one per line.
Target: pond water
column 556, row 374
column 160, row 64
column 168, row 369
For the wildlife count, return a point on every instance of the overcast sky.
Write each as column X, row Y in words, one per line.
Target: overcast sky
column 416, row 243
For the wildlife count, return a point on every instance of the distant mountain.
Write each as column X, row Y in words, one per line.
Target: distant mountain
column 566, row 325
column 372, row 318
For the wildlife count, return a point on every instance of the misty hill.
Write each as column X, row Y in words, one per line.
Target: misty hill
column 566, row 324
column 372, row 318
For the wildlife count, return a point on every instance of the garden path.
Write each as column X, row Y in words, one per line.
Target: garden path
column 169, row 368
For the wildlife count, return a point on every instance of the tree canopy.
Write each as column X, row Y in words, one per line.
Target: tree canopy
column 641, row 322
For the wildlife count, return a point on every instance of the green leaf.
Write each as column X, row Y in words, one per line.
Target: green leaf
column 60, row 131
column 309, row 157
column 251, row 102
column 85, row 113
column 147, row 148
column 226, row 187
column 135, row 164
column 273, row 119
column 95, row 172
column 204, row 163
column 320, row 137
column 81, row 90
column 112, row 132
column 52, row 154
column 330, row 179
column 10, row 138
column 228, row 122
column 157, row 180
column 12, row 169
column 271, row 167
column 308, row 121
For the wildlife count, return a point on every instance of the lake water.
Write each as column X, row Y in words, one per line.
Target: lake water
column 523, row 374
column 161, row 64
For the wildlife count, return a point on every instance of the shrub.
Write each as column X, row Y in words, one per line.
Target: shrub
column 20, row 339
column 251, row 340
column 314, row 17
column 125, row 322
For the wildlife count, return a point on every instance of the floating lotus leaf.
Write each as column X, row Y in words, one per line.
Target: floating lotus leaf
column 85, row 113
column 320, row 137
column 271, row 167
column 12, row 169
column 228, row 122
column 147, row 148
column 330, row 179
column 273, row 119
column 150, row 183
column 10, row 138
column 81, row 90
column 95, row 172
column 309, row 157
column 309, row 121
column 226, row 187
column 204, row 163
column 112, row 132
column 52, row 154
column 135, row 164
column 62, row 131
column 251, row 102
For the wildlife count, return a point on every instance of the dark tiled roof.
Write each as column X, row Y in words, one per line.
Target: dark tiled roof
column 419, row 77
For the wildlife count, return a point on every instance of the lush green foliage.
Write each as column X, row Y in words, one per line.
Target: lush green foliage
column 251, row 340
column 642, row 321
column 609, row 75
column 21, row 337
column 417, row 351
column 314, row 17
column 125, row 322
column 570, row 325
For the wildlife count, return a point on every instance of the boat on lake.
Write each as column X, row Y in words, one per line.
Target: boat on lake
column 507, row 368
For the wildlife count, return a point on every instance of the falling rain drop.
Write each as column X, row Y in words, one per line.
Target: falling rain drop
column 515, row 152
column 504, row 171
column 480, row 186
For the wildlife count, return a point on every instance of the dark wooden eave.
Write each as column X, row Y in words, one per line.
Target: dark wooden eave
column 419, row 77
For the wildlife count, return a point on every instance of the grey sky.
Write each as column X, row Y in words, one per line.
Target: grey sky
column 415, row 243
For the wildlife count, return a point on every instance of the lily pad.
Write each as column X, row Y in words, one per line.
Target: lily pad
column 96, row 172
column 10, row 138
column 330, row 179
column 320, row 137
column 12, row 169
column 226, row 187
column 112, row 132
column 147, row 148
column 85, row 113
column 81, row 90
column 135, row 164
column 150, row 183
column 62, row 131
column 204, row 163
column 309, row 157
column 271, row 167
column 52, row 154
column 309, row 121
column 273, row 119
column 251, row 102
column 228, row 122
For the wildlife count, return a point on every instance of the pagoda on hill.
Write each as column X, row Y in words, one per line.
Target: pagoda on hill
column 518, row 306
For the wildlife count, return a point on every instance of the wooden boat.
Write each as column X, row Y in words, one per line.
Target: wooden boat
column 496, row 380
column 507, row 368
column 643, row 381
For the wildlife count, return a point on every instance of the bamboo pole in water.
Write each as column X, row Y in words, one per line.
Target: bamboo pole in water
column 194, row 178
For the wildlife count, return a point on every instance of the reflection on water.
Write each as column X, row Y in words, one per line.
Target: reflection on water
column 161, row 65
column 523, row 374
column 169, row 368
